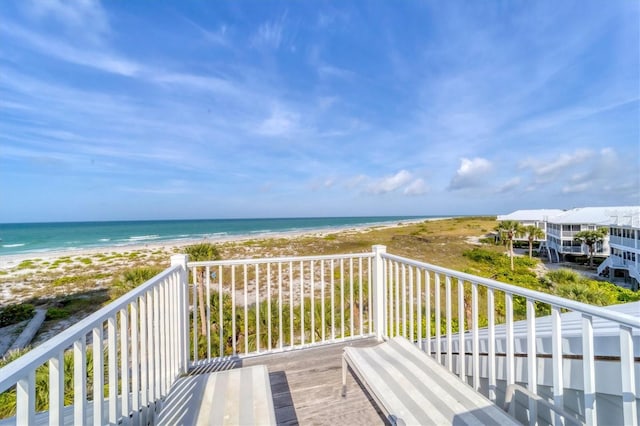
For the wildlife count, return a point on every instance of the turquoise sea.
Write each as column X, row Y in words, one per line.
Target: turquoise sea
column 17, row 238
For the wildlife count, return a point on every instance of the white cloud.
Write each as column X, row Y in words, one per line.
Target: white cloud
column 93, row 58
column 470, row 173
column 389, row 183
column 509, row 185
column 564, row 161
column 417, row 187
column 280, row 123
column 572, row 189
column 269, row 34
column 329, row 71
column 86, row 16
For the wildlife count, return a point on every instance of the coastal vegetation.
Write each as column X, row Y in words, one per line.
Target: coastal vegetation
column 75, row 287
column 591, row 238
column 510, row 229
column 532, row 233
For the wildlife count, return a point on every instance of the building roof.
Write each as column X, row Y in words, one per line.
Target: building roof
column 537, row 214
column 602, row 216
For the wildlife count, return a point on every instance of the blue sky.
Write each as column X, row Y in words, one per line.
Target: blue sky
column 196, row 109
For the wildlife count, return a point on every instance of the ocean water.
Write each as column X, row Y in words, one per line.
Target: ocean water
column 17, row 238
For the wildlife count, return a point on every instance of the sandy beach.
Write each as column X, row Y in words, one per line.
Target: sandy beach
column 53, row 273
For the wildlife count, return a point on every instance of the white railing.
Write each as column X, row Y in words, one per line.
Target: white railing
column 269, row 305
column 129, row 371
column 196, row 312
column 453, row 316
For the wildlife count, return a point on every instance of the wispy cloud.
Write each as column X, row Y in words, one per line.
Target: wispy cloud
column 270, row 34
column 542, row 167
column 389, row 183
column 280, row 123
column 417, row 187
column 85, row 16
column 97, row 59
column 509, row 185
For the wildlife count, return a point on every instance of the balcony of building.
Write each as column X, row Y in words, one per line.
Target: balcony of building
column 295, row 315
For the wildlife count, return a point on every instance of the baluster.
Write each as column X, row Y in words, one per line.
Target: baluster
column 556, row 360
column 245, row 273
column 628, row 375
column 351, row 333
column 438, row 324
column 280, row 326
column 476, row 337
column 532, row 373
column 447, row 287
column 588, row 370
column 461, row 330
column 322, row 304
column 220, row 313
column 291, row 303
column 124, row 362
column 302, row 304
column 491, row 342
column 403, row 299
column 313, row 305
column 98, row 375
column 135, row 360
column 342, row 296
column 207, row 308
column 79, row 382
column 411, row 317
column 269, row 325
column 56, row 389
column 26, row 399
column 113, row 367
column 234, row 337
column 508, row 297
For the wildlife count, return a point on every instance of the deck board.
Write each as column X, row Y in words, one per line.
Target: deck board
column 306, row 387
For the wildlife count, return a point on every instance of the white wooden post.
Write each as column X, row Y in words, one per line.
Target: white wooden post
column 377, row 289
column 183, row 312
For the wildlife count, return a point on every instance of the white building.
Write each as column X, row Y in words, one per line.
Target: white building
column 537, row 218
column 624, row 240
column 562, row 229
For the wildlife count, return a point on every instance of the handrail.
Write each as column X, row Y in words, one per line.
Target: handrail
column 264, row 260
column 15, row 370
column 596, row 311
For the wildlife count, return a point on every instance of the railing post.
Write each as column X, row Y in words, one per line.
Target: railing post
column 379, row 323
column 183, row 310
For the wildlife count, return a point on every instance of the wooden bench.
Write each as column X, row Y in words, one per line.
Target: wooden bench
column 411, row 388
column 240, row 396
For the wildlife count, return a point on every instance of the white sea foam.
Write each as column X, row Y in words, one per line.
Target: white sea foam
column 12, row 245
column 144, row 237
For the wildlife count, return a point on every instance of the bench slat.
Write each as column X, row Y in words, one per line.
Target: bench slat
column 414, row 389
column 233, row 397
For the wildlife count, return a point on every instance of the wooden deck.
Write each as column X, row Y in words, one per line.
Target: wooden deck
column 306, row 386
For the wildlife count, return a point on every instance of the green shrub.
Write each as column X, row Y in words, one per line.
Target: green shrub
column 13, row 314
column 26, row 264
column 202, row 252
column 54, row 313
column 131, row 279
column 67, row 279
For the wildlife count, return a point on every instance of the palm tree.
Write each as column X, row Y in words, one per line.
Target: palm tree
column 533, row 233
column 591, row 238
column 510, row 229
column 199, row 253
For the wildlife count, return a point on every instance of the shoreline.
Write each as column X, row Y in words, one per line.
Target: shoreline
column 10, row 261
